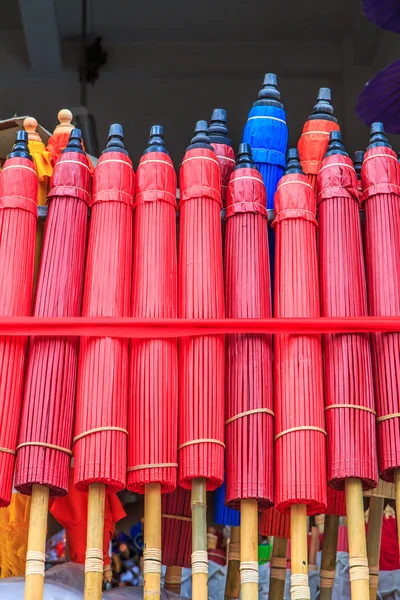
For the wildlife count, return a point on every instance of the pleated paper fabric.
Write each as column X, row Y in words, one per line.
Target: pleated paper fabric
column 300, row 443
column 18, row 216
column 45, row 441
column 336, row 503
column 176, row 528
column 274, row 523
column 349, row 391
column 312, row 146
column 223, row 515
column 249, row 404
column 226, row 159
column 102, row 390
column 381, row 196
column 153, row 405
column 201, row 295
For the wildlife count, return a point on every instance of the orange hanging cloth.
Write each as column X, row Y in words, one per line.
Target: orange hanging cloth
column 60, row 138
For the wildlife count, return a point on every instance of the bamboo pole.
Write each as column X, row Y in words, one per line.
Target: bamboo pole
column 152, row 541
column 94, row 542
column 397, row 488
column 35, row 555
column 199, row 540
column 249, row 549
column 358, row 562
column 278, row 569
column 232, row 585
column 328, row 558
column 374, row 543
column 173, row 579
column 314, row 548
column 299, row 588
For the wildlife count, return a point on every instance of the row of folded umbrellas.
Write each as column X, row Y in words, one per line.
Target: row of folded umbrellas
column 282, row 416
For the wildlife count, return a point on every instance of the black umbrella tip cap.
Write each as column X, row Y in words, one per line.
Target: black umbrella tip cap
column 245, row 157
column 323, row 106
column 218, row 123
column 20, row 148
column 75, row 142
column 293, row 162
column 358, row 161
column 115, row 139
column 200, row 139
column 378, row 137
column 156, row 140
column 270, row 90
column 335, row 145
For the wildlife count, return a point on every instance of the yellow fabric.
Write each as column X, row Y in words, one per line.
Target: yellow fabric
column 41, row 158
column 14, row 522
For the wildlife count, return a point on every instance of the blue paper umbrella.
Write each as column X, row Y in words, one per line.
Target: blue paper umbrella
column 380, row 99
column 384, row 13
column 222, row 514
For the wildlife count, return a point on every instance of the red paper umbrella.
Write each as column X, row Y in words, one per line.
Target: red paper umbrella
column 44, row 451
column 274, row 523
column 18, row 215
column 349, row 393
column 218, row 134
column 300, row 447
column 153, row 416
column 249, row 415
column 315, row 136
column 102, row 389
column 201, row 368
column 336, row 503
column 176, row 528
column 381, row 184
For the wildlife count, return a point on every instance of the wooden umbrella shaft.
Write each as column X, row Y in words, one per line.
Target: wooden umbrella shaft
column 328, row 558
column 278, row 569
column 299, row 588
column 199, row 540
column 358, row 562
column 94, row 564
column 173, row 579
column 232, row 585
column 152, row 541
column 374, row 543
column 249, row 549
column 35, row 556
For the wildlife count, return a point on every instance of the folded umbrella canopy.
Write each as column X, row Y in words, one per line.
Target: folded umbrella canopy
column 315, row 136
column 248, row 408
column 18, row 215
column 45, row 440
column 223, row 515
column 267, row 133
column 218, row 134
column 153, row 405
column 381, row 191
column 176, row 528
column 384, row 13
column 276, row 524
column 102, row 385
column 300, row 447
column 59, row 140
column 349, row 392
column 201, row 368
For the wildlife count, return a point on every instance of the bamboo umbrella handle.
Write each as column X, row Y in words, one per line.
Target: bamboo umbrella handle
column 35, row 556
column 358, row 562
column 249, row 549
column 397, row 489
column 232, row 585
column 328, row 558
column 173, row 579
column 94, row 542
column 299, row 588
column 278, row 569
column 152, row 541
column 374, row 543
column 199, row 540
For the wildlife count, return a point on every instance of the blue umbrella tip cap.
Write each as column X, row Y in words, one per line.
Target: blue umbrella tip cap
column 245, row 157
column 20, row 147
column 358, row 161
column 335, row 145
column 293, row 162
column 378, row 137
column 218, row 123
column 200, row 133
column 323, row 105
column 156, row 139
column 115, row 139
column 75, row 138
column 270, row 90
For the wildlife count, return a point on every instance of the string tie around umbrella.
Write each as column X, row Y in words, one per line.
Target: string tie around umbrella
column 46, row 445
column 201, row 441
column 299, row 589
column 374, row 575
column 387, row 417
column 279, row 574
column 172, row 579
column 177, row 517
column 300, row 428
column 35, row 562
column 358, row 568
column 278, row 568
column 152, row 466
column 295, row 213
column 98, row 430
column 249, row 572
column 234, row 551
column 94, row 560
column 356, row 406
column 7, row 450
column 152, row 560
column 200, row 562
column 327, row 578
column 247, row 413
